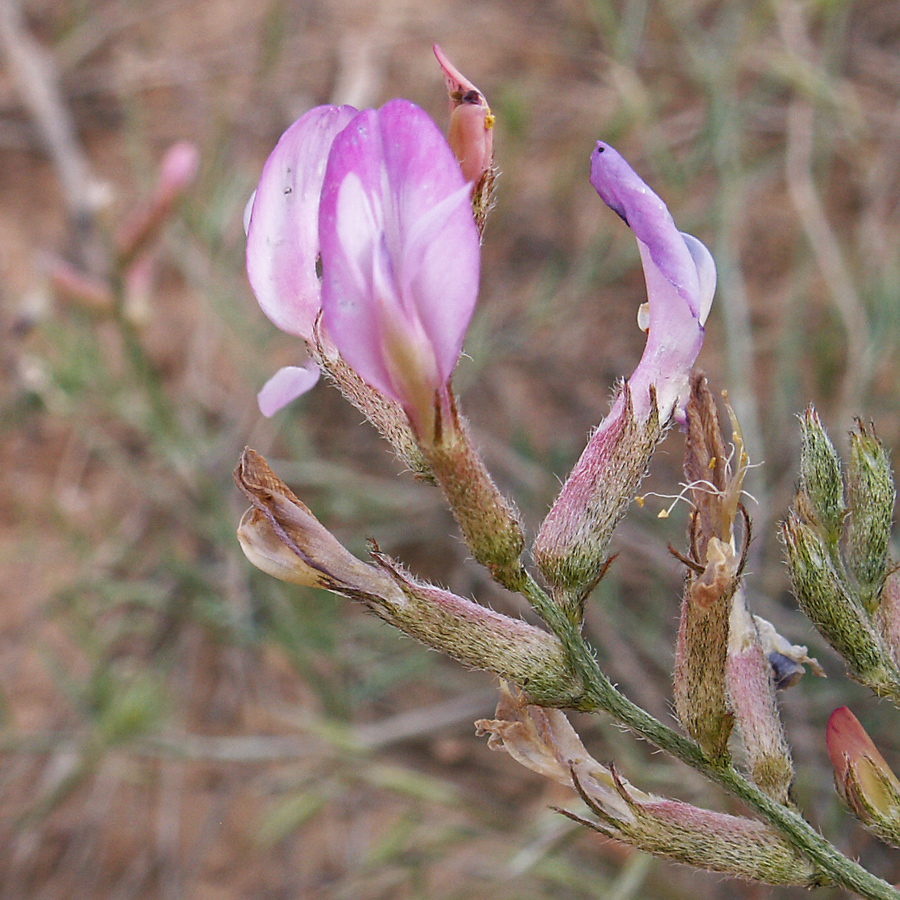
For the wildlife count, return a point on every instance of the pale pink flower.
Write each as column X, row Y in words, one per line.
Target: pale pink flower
column 400, row 255
column 571, row 546
column 364, row 218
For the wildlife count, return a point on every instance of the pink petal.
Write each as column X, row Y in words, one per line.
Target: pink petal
column 286, row 385
column 400, row 251
column 283, row 223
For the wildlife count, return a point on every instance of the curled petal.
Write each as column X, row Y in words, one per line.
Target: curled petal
column 282, row 225
column 400, row 253
column 285, row 385
column 680, row 276
column 570, row 548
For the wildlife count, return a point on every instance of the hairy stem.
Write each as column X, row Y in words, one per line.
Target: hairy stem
column 601, row 695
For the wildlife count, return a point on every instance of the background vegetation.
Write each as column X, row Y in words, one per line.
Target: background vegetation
column 174, row 723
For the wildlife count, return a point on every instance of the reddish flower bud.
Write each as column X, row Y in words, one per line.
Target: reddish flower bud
column 862, row 777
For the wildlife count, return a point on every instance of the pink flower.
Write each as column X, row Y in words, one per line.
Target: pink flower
column 400, row 255
column 365, row 216
column 283, row 222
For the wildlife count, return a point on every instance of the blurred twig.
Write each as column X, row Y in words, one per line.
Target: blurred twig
column 36, row 80
column 825, row 245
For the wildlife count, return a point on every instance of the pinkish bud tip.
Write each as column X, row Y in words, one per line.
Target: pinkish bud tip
column 179, row 168
column 459, row 88
column 848, row 742
column 862, row 777
column 471, row 132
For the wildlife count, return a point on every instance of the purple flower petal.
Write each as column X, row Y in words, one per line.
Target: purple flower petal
column 680, row 276
column 285, row 385
column 283, row 222
column 400, row 252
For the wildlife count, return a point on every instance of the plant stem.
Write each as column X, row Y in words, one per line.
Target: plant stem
column 601, row 695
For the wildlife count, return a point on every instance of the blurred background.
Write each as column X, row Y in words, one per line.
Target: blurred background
column 175, row 724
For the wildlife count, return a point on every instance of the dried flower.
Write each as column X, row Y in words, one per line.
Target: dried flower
column 281, row 536
column 543, row 740
column 701, row 651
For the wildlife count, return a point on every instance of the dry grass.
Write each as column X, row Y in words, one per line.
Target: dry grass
column 177, row 725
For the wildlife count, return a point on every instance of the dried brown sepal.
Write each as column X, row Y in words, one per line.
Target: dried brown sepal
column 706, row 466
column 699, row 688
column 715, row 477
column 281, row 536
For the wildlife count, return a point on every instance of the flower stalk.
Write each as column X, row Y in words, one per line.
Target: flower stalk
column 364, row 241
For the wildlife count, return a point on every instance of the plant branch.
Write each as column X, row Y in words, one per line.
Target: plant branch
column 601, row 695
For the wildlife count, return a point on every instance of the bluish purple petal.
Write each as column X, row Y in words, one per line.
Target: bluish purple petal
column 680, row 276
column 620, row 187
column 283, row 222
column 286, row 385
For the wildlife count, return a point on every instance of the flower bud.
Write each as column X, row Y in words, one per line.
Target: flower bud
column 76, row 286
column 471, row 136
column 820, row 478
column 177, row 172
column 751, row 692
column 825, row 600
column 870, row 501
column 862, row 777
